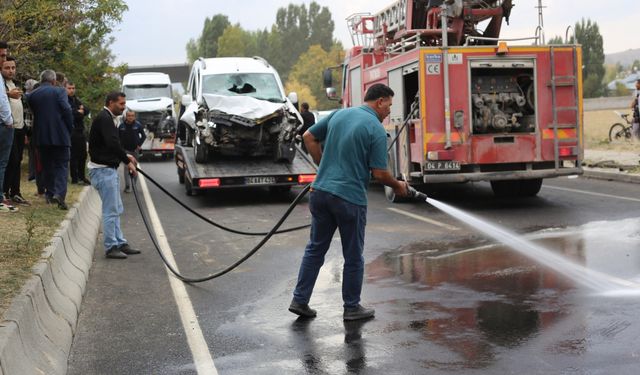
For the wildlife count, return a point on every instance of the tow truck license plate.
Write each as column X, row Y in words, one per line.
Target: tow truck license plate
column 443, row 165
column 259, row 180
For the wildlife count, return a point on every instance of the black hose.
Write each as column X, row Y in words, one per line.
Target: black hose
column 273, row 231
column 220, row 226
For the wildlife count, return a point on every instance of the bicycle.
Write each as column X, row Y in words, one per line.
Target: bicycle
column 620, row 132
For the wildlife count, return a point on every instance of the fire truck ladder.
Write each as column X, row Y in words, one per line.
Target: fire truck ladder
column 564, row 81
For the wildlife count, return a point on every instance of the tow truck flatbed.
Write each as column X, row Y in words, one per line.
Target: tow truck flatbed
column 238, row 172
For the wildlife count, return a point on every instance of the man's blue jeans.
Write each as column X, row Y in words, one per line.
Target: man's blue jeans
column 6, row 142
column 106, row 181
column 328, row 213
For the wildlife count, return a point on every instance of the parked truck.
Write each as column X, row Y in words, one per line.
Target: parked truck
column 149, row 95
column 468, row 105
column 239, row 129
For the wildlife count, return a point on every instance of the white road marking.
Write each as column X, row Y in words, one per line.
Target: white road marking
column 198, row 346
column 421, row 218
column 592, row 193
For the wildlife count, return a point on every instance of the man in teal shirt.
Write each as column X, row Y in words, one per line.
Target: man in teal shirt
column 349, row 146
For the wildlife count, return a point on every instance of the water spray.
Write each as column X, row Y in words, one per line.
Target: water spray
column 594, row 280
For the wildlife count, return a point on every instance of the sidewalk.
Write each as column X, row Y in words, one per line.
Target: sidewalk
column 623, row 166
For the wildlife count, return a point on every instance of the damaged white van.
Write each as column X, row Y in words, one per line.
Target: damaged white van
column 150, row 96
column 236, row 106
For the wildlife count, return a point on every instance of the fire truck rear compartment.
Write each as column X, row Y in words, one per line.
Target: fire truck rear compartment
column 502, row 99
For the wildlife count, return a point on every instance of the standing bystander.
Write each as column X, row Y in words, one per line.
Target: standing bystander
column 35, row 165
column 106, row 155
column 131, row 138
column 635, row 108
column 78, row 139
column 308, row 119
column 52, row 127
column 6, row 134
column 11, row 186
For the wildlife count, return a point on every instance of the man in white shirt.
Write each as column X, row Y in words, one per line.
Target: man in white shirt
column 11, row 186
column 6, row 134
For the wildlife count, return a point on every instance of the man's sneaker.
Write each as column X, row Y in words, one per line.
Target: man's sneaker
column 127, row 190
column 18, row 199
column 357, row 313
column 4, row 207
column 302, row 309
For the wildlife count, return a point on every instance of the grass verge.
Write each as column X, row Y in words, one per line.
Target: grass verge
column 25, row 234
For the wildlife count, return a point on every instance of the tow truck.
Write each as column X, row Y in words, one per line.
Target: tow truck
column 240, row 129
column 234, row 172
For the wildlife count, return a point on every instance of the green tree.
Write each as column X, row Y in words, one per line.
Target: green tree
column 556, row 40
column 303, row 91
column 588, row 35
column 207, row 43
column 237, row 42
column 298, row 28
column 70, row 36
column 308, row 71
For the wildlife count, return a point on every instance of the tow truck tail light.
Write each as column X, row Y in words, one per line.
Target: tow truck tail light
column 209, row 182
column 306, row 178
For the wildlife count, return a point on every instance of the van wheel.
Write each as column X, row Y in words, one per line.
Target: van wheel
column 189, row 135
column 200, row 151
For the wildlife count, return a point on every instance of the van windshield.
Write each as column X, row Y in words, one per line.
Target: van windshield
column 138, row 92
column 261, row 86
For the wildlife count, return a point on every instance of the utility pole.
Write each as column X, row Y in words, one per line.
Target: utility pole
column 541, row 19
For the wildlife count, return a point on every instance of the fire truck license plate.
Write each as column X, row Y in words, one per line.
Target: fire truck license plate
column 259, row 180
column 443, row 165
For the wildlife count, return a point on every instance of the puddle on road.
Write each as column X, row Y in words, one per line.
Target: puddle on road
column 466, row 307
column 479, row 300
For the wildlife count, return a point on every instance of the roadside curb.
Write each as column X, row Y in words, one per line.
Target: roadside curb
column 36, row 331
column 611, row 175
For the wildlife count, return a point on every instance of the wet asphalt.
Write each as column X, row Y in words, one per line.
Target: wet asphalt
column 447, row 300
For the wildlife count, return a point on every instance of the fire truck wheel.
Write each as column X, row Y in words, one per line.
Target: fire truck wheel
column 530, row 188
column 516, row 188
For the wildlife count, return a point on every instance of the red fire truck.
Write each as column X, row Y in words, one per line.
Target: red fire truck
column 468, row 105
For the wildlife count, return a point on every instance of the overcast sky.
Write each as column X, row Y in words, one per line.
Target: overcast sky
column 155, row 32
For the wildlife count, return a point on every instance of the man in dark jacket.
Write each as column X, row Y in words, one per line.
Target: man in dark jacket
column 52, row 128
column 308, row 120
column 106, row 155
column 78, row 139
column 131, row 138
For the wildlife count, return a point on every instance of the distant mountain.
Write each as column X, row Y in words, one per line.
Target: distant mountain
column 625, row 58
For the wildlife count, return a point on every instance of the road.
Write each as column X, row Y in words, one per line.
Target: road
column 447, row 299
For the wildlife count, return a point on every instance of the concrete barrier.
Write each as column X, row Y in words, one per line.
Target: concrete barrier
column 36, row 331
